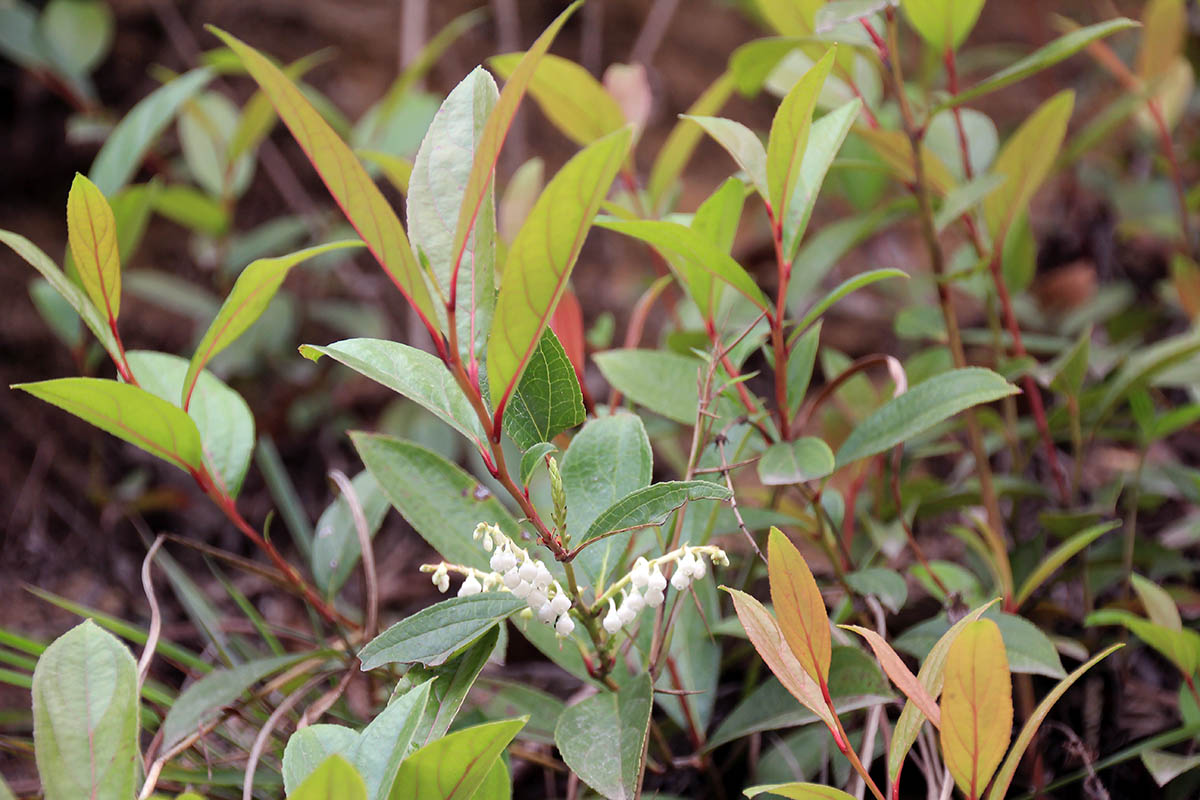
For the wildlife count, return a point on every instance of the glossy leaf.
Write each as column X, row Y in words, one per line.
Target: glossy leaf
column 224, row 421
column 413, row 373
column 533, row 458
column 335, row 549
column 799, row 791
column 309, row 748
column 335, row 778
column 825, row 139
column 682, row 140
column 789, row 137
column 433, row 634
column 384, row 743
column 742, row 144
column 768, row 640
column 900, row 674
column 602, row 738
column 642, row 375
column 540, row 259
column 673, row 239
column 86, row 718
column 575, row 102
column 438, row 499
column 78, row 299
column 805, row 459
column 1059, row 556
column 453, row 767
column 435, row 196
column 1060, row 49
column 943, row 24
column 1026, row 160
column 127, row 412
column 200, row 702
column 798, row 602
column 608, row 459
column 452, row 682
column 976, row 706
column 92, row 235
column 920, row 408
column 357, row 195
column 548, row 400
column 128, row 143
column 651, row 505
column 1009, row 768
column 248, row 299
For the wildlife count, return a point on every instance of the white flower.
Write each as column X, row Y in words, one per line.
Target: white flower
column 503, row 559
column 656, row 581
column 543, row 577
column 522, row 590
column 546, row 612
column 536, row 598
column 470, row 586
column 564, row 626
column 560, row 603
column 687, row 565
column 698, row 569
column 680, row 579
column 511, row 579
column 654, row 597
column 625, row 613
column 634, row 601
column 612, row 621
column 640, row 574
column 528, row 571
column 441, row 578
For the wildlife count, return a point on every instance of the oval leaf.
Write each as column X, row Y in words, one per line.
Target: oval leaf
column 92, row 236
column 454, row 767
column 643, row 375
column 335, row 778
column 805, row 459
column 976, row 706
column 801, row 609
column 943, row 24
column 548, row 399
column 602, row 738
column 433, row 634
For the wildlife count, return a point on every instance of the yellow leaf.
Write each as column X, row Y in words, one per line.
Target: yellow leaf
column 568, row 95
column 1165, row 24
column 977, row 713
column 92, row 235
column 802, row 615
column 789, row 133
column 900, row 674
column 1025, row 161
column 357, row 195
column 893, row 147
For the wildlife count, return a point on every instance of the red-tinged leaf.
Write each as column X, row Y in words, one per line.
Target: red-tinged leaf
column 802, row 615
column 900, row 674
column 799, row 791
column 567, row 324
column 789, row 134
column 1029, row 730
column 357, row 195
column 129, row 413
column 542, row 256
column 251, row 294
column 491, row 139
column 768, row 640
column 977, row 710
column 92, row 235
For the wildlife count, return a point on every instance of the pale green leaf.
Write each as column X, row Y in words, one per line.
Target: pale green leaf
column 943, row 24
column 805, row 459
column 308, row 748
column 742, row 144
column 789, row 136
column 335, row 548
column 607, row 460
column 575, row 102
column 454, row 767
column 602, row 738
column 664, row 382
column 336, row 779
column 846, row 287
column 433, row 634
column 92, row 235
column 799, row 791
column 824, row 140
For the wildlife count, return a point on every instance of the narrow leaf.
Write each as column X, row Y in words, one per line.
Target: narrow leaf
column 540, row 259
column 798, row 602
column 92, row 235
column 799, row 791
column 742, row 144
column 825, row 139
column 357, row 195
column 1059, row 556
column 976, row 706
column 453, row 767
column 568, row 95
column 433, row 634
column 846, row 287
column 900, row 674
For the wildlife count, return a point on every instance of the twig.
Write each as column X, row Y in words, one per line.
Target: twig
column 657, row 23
column 152, row 635
column 268, row 728
column 364, row 544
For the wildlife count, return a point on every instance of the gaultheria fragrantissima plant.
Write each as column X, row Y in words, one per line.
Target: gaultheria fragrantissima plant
column 607, row 550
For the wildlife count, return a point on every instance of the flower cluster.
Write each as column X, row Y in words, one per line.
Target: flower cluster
column 647, row 586
column 515, row 571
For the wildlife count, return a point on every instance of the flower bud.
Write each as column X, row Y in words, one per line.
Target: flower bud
column 635, row 601
column 536, row 598
column 699, row 569
column 522, row 589
column 640, row 573
column 680, row 579
column 687, row 565
column 511, row 579
column 612, row 622
column 546, row 613
column 528, row 571
column 470, row 586
column 543, row 577
column 654, row 597
column 565, row 625
column 560, row 603
column 626, row 614
column 656, row 581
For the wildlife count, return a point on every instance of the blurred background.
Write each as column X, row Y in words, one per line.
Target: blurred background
column 76, row 505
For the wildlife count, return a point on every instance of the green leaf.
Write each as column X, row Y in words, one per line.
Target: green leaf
column 5, row 792
column 1158, row 605
column 548, row 399
column 1061, row 48
column 496, row 784
column 1141, row 366
column 801, row 360
column 308, row 748
column 433, row 634
column 675, row 240
column 920, row 408
column 542, row 256
column 453, row 767
column 789, row 136
column 192, row 209
column 742, row 144
column 336, row 549
column 78, row 32
column 397, row 170
column 1025, row 161
column 533, row 457
column 335, row 779
column 129, row 413
column 608, row 459
column 1008, row 769
column 248, row 299
column 78, row 299
column 222, row 418
column 943, row 24
column 383, row 744
column 438, row 499
column 603, row 737
column 716, row 219
column 824, row 140
column 846, row 287
column 799, row 791
column 207, row 126
column 664, row 382
column 413, row 373
column 805, row 459
column 450, row 684
column 681, row 142
column 1165, row 767
column 693, row 661
column 132, row 207
column 199, row 703
column 1179, row 646
column 647, row 506
column 86, row 721
column 435, row 197
column 1059, row 556
column 357, row 195
column 126, row 146
column 885, row 584
column 962, row 199
column 92, row 235
column 575, row 102
column 543, row 710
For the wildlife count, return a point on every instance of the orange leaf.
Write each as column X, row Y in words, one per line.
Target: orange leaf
column 802, row 615
column 900, row 674
column 977, row 712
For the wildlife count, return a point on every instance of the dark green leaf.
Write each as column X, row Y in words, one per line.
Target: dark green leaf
column 664, row 382
column 603, row 737
column 432, row 635
column 805, row 459
column 548, row 400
